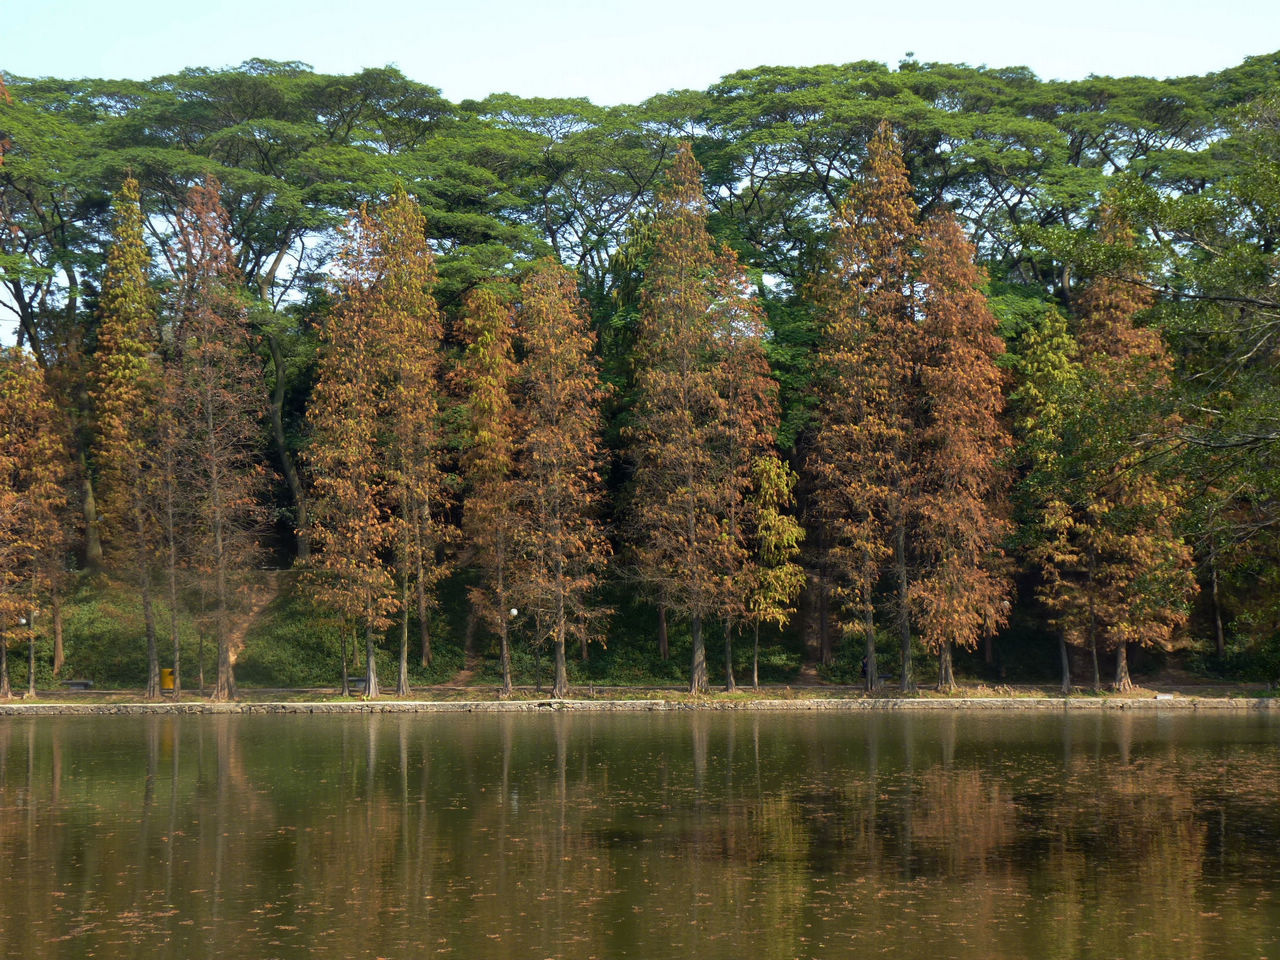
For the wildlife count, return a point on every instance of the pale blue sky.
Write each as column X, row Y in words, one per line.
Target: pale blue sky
column 624, row 52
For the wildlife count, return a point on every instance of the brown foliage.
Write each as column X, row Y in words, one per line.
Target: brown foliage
column 221, row 410
column 381, row 500
column 490, row 426
column 962, row 591
column 1116, row 571
column 904, row 456
column 34, row 472
column 706, row 412
column 558, row 488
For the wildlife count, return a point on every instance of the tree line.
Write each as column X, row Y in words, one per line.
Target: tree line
column 931, row 346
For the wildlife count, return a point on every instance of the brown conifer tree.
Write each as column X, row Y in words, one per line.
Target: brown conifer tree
column 558, row 487
column 747, row 447
column 705, row 412
column 221, row 410
column 1137, row 580
column 962, row 589
column 377, row 450
column 34, row 472
column 490, row 427
column 866, row 384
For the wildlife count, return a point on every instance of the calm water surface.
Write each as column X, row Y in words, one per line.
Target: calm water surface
column 652, row 836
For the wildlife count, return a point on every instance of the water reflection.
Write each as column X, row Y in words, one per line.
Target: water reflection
column 957, row 835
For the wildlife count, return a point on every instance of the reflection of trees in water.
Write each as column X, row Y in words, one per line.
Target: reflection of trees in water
column 580, row 835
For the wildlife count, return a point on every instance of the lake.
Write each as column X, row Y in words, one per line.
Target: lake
column 720, row 835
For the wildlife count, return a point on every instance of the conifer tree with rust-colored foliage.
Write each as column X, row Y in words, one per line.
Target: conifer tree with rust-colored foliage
column 491, row 428
column 749, row 458
column 962, row 589
column 381, row 499
column 34, row 474
column 401, row 301
column 1136, row 581
column 558, row 489
column 862, row 444
column 221, row 412
column 126, row 389
column 705, row 411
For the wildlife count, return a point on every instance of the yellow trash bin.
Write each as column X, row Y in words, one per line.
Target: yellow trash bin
column 166, row 679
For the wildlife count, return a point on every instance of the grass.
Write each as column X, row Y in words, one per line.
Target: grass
column 292, row 644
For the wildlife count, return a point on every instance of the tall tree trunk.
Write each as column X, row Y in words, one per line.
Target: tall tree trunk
column 149, row 625
column 560, row 686
column 904, row 620
column 755, row 659
column 402, row 675
column 31, row 656
column 55, row 601
column 92, row 536
column 171, row 542
column 730, row 684
column 504, row 625
column 537, row 654
column 346, row 677
column 1124, row 682
column 1219, row 635
column 370, row 662
column 148, row 613
column 1093, row 627
column 664, row 650
column 1066, row 663
column 173, row 634
column 225, row 688
column 424, row 626
column 870, row 671
column 946, row 675
column 504, row 655
column 290, row 470
column 825, row 647
column 6, row 692
column 698, row 670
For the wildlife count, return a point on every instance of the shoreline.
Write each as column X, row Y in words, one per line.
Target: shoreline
column 1180, row 704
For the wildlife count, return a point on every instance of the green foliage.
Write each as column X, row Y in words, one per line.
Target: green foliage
column 103, row 634
column 1022, row 162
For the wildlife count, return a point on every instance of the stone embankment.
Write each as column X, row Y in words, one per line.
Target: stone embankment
column 799, row 705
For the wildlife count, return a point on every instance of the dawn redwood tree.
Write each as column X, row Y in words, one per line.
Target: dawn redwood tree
column 747, row 448
column 127, row 383
column 490, row 428
column 962, row 589
column 399, row 301
column 1137, row 580
column 558, row 486
column 866, row 385
column 351, row 529
column 34, row 470
column 222, row 411
column 377, row 448
column 705, row 411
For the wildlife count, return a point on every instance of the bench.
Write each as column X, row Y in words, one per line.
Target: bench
column 357, row 684
column 77, row 685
